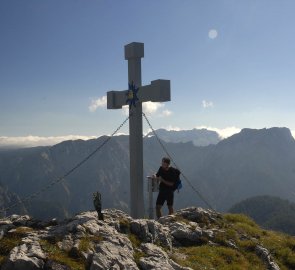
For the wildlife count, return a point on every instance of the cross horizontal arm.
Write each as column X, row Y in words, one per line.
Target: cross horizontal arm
column 157, row 91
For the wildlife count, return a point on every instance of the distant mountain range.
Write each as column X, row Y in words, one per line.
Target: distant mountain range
column 247, row 164
column 199, row 137
column 8, row 198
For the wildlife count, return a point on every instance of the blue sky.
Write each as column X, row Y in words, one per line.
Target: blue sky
column 231, row 64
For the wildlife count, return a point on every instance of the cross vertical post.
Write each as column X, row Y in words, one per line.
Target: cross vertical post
column 157, row 91
column 133, row 53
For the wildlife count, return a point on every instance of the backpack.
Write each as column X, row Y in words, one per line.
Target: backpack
column 177, row 185
column 177, row 182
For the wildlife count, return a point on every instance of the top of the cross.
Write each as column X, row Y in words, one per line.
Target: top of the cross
column 134, row 50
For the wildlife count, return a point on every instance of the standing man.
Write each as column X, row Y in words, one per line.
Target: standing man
column 167, row 176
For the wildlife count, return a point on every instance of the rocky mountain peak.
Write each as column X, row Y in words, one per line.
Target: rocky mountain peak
column 199, row 137
column 265, row 134
column 120, row 242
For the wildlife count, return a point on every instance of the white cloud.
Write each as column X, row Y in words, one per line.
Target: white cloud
column 125, row 110
column 207, row 104
column 120, row 134
column 151, row 107
column 223, row 132
column 96, row 103
column 166, row 113
column 169, row 128
column 31, row 141
column 212, row 34
column 172, row 128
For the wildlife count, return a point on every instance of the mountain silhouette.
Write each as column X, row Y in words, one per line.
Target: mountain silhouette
column 247, row 164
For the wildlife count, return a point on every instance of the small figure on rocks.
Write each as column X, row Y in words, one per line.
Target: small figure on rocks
column 168, row 177
column 97, row 204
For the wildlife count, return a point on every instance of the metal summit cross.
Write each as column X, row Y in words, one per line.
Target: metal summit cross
column 157, row 91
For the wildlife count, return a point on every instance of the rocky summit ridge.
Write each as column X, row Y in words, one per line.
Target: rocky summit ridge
column 179, row 241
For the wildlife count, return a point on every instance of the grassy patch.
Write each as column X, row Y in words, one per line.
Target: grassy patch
column 220, row 258
column 58, row 255
column 239, row 226
column 180, row 219
column 22, row 231
column 231, row 234
column 53, row 239
column 135, row 244
column 12, row 239
column 124, row 225
column 246, row 229
column 85, row 243
column 134, row 240
column 223, row 236
column 138, row 255
column 204, row 221
column 7, row 243
column 247, row 245
column 2, row 259
column 281, row 246
column 240, row 218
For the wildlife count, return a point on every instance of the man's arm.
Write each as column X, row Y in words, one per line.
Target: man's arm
column 167, row 183
column 160, row 179
column 157, row 175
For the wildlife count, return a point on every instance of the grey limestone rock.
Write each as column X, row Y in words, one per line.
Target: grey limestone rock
column 161, row 234
column 140, row 228
column 151, row 231
column 185, row 234
column 26, row 256
column 109, row 255
column 53, row 265
column 156, row 258
column 199, row 215
column 266, row 257
column 18, row 220
column 106, row 245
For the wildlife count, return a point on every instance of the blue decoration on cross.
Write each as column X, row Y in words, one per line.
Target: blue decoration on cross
column 132, row 95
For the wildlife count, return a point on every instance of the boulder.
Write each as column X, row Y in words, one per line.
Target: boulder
column 155, row 258
column 26, row 256
column 53, row 265
column 266, row 257
column 109, row 255
column 107, row 244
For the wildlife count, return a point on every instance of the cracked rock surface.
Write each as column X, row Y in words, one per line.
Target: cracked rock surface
column 119, row 242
